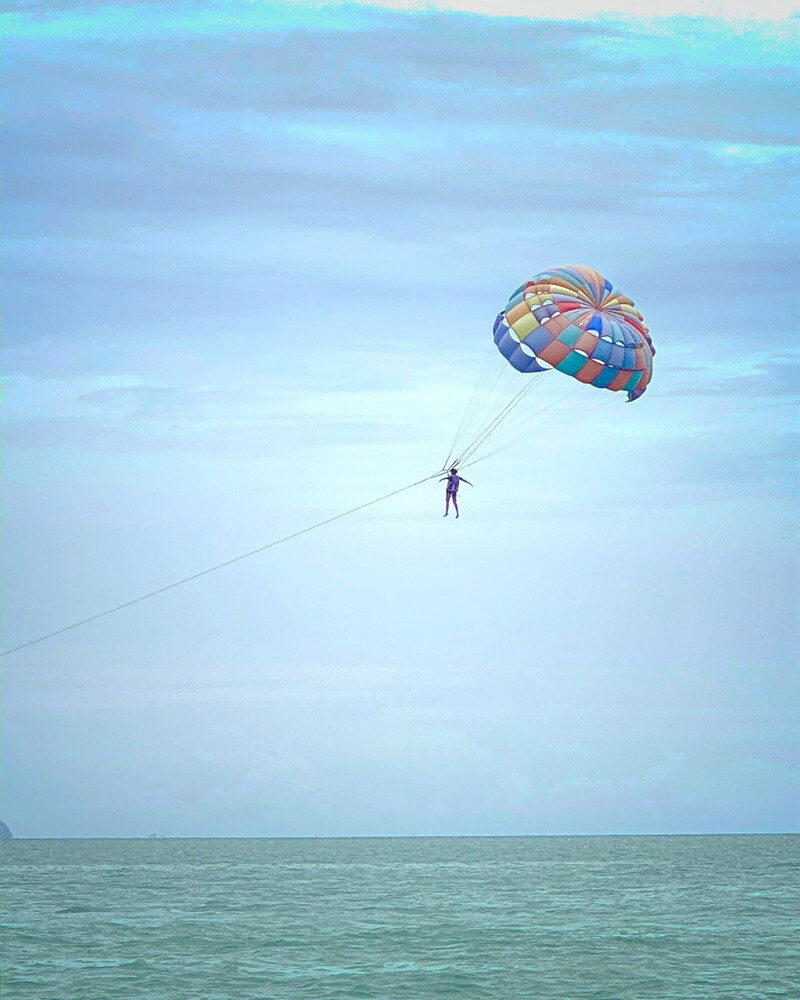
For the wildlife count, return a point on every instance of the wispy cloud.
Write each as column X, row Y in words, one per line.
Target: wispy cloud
column 200, row 166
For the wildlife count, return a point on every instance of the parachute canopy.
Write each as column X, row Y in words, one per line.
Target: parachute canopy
column 573, row 319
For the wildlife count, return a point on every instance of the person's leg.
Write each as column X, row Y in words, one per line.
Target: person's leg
column 447, row 503
column 455, row 503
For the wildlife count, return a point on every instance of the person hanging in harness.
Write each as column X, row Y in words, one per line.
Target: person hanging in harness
column 451, row 490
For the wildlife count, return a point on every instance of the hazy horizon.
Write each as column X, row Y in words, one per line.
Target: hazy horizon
column 430, row 836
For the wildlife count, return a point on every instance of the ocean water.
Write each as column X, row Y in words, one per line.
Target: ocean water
column 605, row 918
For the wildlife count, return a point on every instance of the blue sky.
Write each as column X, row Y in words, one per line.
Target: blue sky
column 253, row 255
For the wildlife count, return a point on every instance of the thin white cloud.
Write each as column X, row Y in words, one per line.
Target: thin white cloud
column 567, row 10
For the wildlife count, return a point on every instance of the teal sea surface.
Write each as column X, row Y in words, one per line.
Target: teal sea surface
column 606, row 918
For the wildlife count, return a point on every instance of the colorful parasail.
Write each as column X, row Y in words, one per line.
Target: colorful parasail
column 573, row 319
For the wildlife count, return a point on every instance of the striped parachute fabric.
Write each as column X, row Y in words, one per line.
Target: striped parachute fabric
column 573, row 319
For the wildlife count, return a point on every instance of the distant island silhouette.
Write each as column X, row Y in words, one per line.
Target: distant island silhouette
column 5, row 833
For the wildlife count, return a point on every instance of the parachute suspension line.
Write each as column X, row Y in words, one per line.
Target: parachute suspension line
column 468, row 414
column 484, row 411
column 485, row 387
column 581, row 415
column 546, row 427
column 494, row 423
column 487, row 424
column 549, row 425
column 222, row 565
column 489, row 428
column 495, row 395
